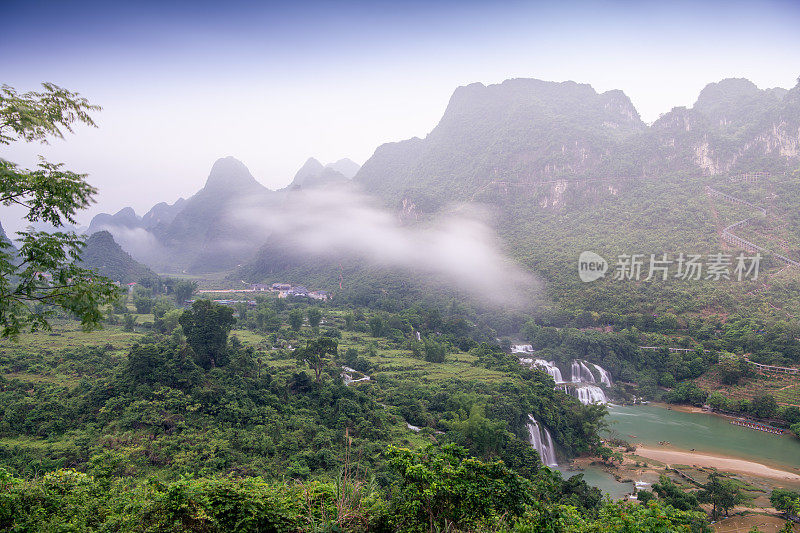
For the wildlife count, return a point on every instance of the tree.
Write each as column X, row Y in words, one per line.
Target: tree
column 732, row 368
column 314, row 317
column 206, row 326
column 673, row 495
column 184, row 289
column 128, row 322
column 43, row 274
column 786, row 501
column 376, row 326
column 447, row 490
column 791, row 414
column 295, row 319
column 717, row 401
column 315, row 352
column 435, row 352
column 721, row 493
column 483, row 436
column 764, row 406
column 162, row 306
column 144, row 304
column 608, row 455
column 687, row 392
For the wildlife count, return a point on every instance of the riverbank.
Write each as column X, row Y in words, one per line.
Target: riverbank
column 727, row 464
column 688, row 429
column 727, row 416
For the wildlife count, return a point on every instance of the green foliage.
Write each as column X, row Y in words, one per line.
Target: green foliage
column 673, row 495
column 435, row 352
column 436, row 490
column 184, row 289
column 206, row 326
column 764, row 406
column 128, row 322
column 732, row 368
column 105, row 256
column 315, row 352
column 376, row 326
column 444, row 488
column 314, row 316
column 722, row 493
column 144, row 304
column 482, row 436
column 43, row 273
column 161, row 306
column 296, row 319
column 162, row 364
column 786, row 501
column 687, row 392
column 72, row 501
column 716, row 400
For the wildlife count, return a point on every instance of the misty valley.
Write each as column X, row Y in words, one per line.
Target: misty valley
column 544, row 315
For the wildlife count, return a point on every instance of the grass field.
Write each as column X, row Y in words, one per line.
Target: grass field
column 67, row 334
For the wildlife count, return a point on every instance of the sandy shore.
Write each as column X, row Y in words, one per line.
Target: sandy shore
column 719, row 462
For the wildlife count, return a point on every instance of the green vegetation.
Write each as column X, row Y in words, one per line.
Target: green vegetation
column 396, row 406
column 786, row 501
column 43, row 274
column 149, row 405
column 434, row 490
column 103, row 255
column 723, row 494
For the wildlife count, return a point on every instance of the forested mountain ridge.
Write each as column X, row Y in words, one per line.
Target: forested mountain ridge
column 105, row 256
column 346, row 167
column 733, row 127
column 552, row 144
column 208, row 232
column 518, row 130
column 525, row 131
column 161, row 213
column 218, row 227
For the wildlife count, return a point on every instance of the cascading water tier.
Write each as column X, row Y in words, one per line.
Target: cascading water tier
column 542, row 442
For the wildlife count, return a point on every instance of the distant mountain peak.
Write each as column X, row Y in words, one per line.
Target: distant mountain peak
column 312, row 167
column 313, row 174
column 346, row 167
column 229, row 173
column 103, row 254
column 126, row 212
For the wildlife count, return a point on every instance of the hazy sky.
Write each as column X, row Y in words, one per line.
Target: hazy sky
column 184, row 83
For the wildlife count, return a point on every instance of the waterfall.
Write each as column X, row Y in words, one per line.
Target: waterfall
column 348, row 373
column 586, row 394
column 551, row 368
column 583, row 384
column 605, row 376
column 542, row 442
column 581, row 373
column 521, row 348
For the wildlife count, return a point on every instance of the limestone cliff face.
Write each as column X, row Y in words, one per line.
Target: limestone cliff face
column 520, row 131
column 733, row 126
column 525, row 131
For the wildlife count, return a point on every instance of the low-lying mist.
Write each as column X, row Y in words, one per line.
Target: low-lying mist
column 459, row 247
